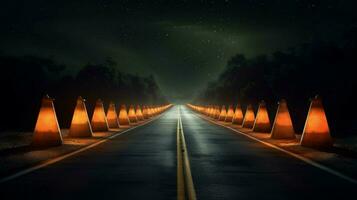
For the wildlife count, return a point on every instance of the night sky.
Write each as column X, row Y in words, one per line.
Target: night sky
column 184, row 44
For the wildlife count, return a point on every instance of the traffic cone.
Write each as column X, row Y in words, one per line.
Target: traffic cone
column 123, row 116
column 150, row 114
column 80, row 126
column 249, row 117
column 217, row 112
column 206, row 112
column 211, row 113
column 112, row 116
column 262, row 122
column 47, row 131
column 230, row 114
column 139, row 114
column 238, row 115
column 132, row 115
column 223, row 114
column 283, row 126
column 99, row 120
column 316, row 131
column 145, row 112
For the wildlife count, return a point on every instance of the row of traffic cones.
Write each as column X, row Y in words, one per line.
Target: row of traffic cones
column 48, row 133
column 316, row 131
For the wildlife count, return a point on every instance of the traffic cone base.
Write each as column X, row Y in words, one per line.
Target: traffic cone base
column 47, row 131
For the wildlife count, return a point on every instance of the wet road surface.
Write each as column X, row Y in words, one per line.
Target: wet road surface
column 141, row 164
column 226, row 165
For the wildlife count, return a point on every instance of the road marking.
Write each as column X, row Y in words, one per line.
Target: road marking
column 57, row 159
column 297, row 156
column 185, row 186
column 180, row 177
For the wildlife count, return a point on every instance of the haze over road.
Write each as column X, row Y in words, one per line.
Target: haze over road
column 142, row 164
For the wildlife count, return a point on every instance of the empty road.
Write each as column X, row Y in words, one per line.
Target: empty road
column 142, row 164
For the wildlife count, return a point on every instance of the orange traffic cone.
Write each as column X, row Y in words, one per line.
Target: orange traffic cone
column 230, row 114
column 249, row 117
column 47, row 131
column 99, row 120
column 150, row 114
column 206, row 111
column 262, row 122
column 223, row 114
column 139, row 114
column 80, row 126
column 210, row 112
column 123, row 116
column 132, row 115
column 112, row 116
column 238, row 115
column 213, row 112
column 145, row 112
column 217, row 113
column 283, row 126
column 316, row 131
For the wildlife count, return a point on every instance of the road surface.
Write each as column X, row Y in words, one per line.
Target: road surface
column 142, row 164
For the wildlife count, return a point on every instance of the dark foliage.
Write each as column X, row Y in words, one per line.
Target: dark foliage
column 24, row 80
column 322, row 68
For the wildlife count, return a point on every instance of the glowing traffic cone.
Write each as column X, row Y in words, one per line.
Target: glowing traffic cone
column 217, row 112
column 123, row 116
column 210, row 112
column 47, row 131
column 230, row 114
column 238, row 115
column 99, row 120
column 206, row 111
column 316, row 131
column 283, row 126
column 145, row 112
column 213, row 112
column 132, row 115
column 139, row 114
column 150, row 114
column 262, row 122
column 223, row 114
column 249, row 117
column 80, row 126
column 112, row 116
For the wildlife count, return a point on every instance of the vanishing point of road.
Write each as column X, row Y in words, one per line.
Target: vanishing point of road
column 178, row 155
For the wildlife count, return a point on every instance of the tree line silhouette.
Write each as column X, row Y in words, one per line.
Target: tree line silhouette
column 298, row 74
column 25, row 80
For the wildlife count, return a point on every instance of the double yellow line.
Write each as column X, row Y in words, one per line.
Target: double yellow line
column 185, row 187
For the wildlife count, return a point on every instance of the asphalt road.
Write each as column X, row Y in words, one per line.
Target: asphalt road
column 226, row 165
column 141, row 164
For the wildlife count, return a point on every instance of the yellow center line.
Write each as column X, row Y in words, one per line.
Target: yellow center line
column 185, row 186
